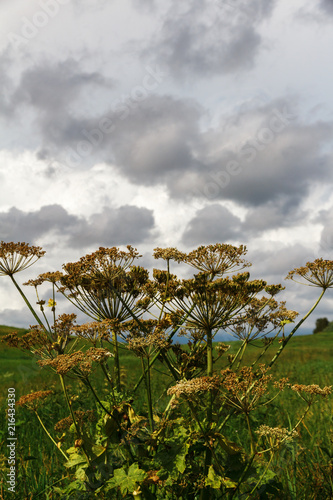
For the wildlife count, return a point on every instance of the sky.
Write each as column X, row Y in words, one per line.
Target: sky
column 159, row 123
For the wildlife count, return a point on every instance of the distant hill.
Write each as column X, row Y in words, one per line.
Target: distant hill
column 5, row 330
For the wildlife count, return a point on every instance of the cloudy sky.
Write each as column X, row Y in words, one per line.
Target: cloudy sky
column 167, row 123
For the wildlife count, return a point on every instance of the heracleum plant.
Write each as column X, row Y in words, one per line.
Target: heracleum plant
column 121, row 449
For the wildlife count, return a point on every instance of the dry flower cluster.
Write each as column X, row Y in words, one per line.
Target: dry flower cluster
column 318, row 273
column 14, row 257
column 33, row 399
column 311, row 390
column 80, row 416
column 277, row 434
column 64, row 363
column 117, row 295
column 194, row 386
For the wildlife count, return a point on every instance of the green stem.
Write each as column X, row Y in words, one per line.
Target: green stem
column 242, row 351
column 209, row 353
column 110, row 415
column 64, row 388
column 259, row 480
column 33, row 312
column 116, row 359
column 107, row 376
column 97, row 398
column 284, row 343
column 206, row 492
column 240, row 480
column 146, row 373
column 154, row 358
column 49, row 435
column 253, row 446
column 267, row 346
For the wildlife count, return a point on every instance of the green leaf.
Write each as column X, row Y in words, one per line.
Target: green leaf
column 75, row 459
column 81, row 474
column 180, row 458
column 98, row 450
column 127, row 481
column 230, row 447
column 212, row 479
column 227, row 483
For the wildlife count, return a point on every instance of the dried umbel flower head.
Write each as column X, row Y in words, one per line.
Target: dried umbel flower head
column 244, row 389
column 156, row 340
column 150, row 334
column 309, row 392
column 169, row 254
column 35, row 341
column 210, row 305
column 261, row 317
column 14, row 257
column 50, row 277
column 105, row 262
column 101, row 287
column 318, row 273
column 194, row 386
column 66, row 362
column 221, row 347
column 274, row 289
column 96, row 330
column 62, row 329
column 32, row 400
column 217, row 259
column 80, row 416
column 82, row 361
column 276, row 435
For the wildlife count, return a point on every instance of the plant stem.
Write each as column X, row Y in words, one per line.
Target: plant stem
column 209, row 353
column 284, row 343
column 64, row 388
column 33, row 312
column 205, row 493
column 110, row 415
column 49, row 435
column 116, row 359
column 148, row 393
column 240, row 480
column 253, row 446
column 259, row 480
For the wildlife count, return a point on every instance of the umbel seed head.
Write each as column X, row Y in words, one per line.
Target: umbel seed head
column 15, row 257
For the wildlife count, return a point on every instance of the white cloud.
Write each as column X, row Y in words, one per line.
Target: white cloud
column 194, row 93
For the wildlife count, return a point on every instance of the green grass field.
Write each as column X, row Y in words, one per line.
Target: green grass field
column 305, row 467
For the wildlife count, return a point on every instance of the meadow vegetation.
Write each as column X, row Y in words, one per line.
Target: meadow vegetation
column 116, row 409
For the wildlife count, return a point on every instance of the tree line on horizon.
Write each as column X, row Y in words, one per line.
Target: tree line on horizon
column 322, row 324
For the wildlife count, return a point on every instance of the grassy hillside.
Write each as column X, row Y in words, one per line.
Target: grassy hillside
column 304, row 467
column 16, row 367
column 5, row 330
